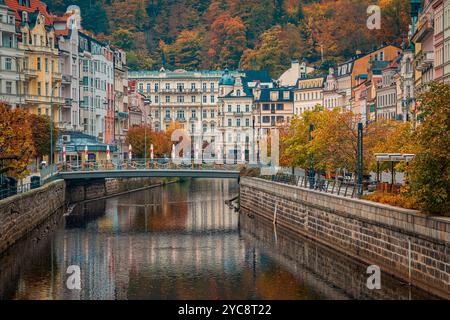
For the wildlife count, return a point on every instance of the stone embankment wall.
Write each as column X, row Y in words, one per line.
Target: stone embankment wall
column 411, row 246
column 79, row 191
column 21, row 214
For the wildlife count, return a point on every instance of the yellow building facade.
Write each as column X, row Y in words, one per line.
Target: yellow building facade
column 41, row 88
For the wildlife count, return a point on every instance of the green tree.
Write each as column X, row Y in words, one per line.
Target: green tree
column 430, row 171
column 40, row 130
column 123, row 39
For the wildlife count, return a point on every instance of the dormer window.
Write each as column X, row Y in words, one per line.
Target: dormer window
column 274, row 95
column 286, row 95
column 25, row 16
column 238, row 93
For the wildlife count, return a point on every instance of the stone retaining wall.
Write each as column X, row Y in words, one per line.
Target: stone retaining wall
column 22, row 213
column 371, row 232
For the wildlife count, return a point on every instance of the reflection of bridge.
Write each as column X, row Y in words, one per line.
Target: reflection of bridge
column 141, row 168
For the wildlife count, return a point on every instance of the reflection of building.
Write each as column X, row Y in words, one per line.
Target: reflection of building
column 10, row 58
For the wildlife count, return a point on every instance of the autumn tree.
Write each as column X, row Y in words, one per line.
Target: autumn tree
column 16, row 145
column 136, row 138
column 430, row 171
column 227, row 41
column 186, row 51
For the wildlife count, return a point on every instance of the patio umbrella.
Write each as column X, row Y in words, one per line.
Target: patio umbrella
column 243, row 153
column 173, row 152
column 196, row 151
column 219, row 154
column 64, row 153
column 151, row 152
column 108, row 153
column 86, row 153
column 130, row 152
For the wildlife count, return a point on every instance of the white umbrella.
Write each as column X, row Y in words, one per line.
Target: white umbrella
column 219, row 154
column 196, row 152
column 64, row 153
column 151, row 152
column 86, row 153
column 130, row 152
column 173, row 152
column 108, row 153
column 243, row 154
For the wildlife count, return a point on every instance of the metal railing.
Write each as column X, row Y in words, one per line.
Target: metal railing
column 10, row 191
column 336, row 187
column 145, row 164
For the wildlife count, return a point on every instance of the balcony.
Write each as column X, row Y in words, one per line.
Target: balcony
column 57, row 77
column 68, row 103
column 30, row 73
column 181, row 119
column 238, row 114
column 167, row 119
column 424, row 60
column 194, row 119
column 29, row 98
column 66, row 79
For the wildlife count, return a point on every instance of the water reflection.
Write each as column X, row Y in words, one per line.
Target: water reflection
column 176, row 242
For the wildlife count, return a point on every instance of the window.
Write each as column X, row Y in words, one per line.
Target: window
column 148, row 87
column 238, row 93
column 192, row 86
column 167, row 113
column 212, row 114
column 193, row 99
column 156, row 87
column 213, row 127
column 212, row 99
column 167, row 86
column 204, row 87
column 238, row 108
column 247, row 122
column 266, row 119
column 280, row 107
column 39, row 88
column 167, row 99
column 205, row 99
column 212, row 86
column 38, row 64
column 247, row 108
column 230, row 123
column 46, row 64
column 8, row 64
column 46, row 89
column 205, row 114
column 229, row 108
column 266, row 107
column 141, row 87
column 194, row 114
column 205, row 127
column 8, row 87
column 238, row 122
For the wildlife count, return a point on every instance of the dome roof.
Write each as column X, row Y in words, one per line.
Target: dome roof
column 227, row 79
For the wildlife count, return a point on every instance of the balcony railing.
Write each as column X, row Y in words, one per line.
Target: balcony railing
column 424, row 60
column 44, row 99
column 30, row 73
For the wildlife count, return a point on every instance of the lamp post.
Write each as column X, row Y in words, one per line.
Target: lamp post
column 311, row 161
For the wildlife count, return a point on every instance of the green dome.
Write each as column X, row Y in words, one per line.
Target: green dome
column 227, row 79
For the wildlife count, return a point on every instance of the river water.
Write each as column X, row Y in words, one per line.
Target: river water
column 180, row 241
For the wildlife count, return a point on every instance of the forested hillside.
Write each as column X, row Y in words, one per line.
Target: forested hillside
column 211, row 34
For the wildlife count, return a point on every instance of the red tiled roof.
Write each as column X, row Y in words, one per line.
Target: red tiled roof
column 34, row 5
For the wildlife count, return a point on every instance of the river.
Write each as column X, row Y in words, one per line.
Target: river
column 180, row 241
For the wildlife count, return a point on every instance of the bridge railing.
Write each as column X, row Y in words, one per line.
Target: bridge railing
column 147, row 164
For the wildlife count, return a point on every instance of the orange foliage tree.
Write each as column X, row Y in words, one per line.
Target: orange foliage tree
column 16, row 144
